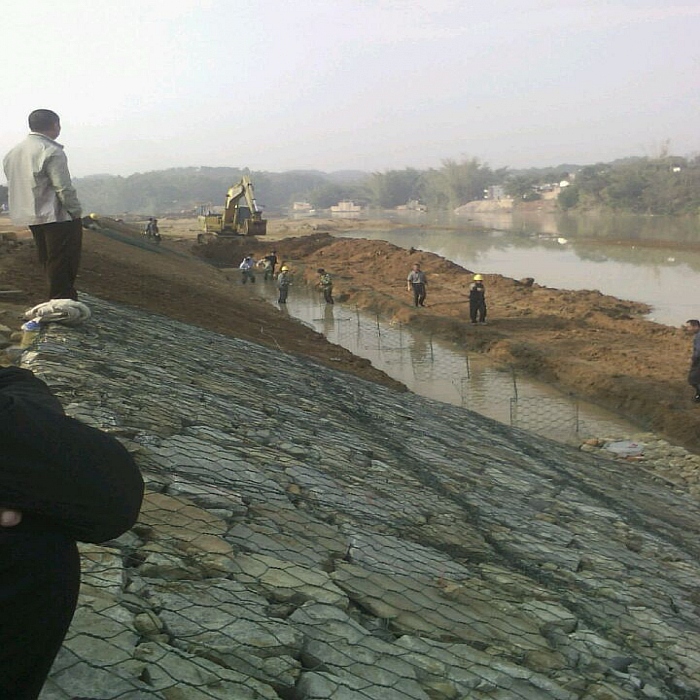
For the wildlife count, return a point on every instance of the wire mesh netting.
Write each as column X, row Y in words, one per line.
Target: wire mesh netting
column 308, row 535
column 444, row 371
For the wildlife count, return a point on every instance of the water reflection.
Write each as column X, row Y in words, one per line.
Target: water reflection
column 574, row 253
column 443, row 372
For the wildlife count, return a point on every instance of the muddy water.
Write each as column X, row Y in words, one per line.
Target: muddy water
column 437, row 370
column 647, row 259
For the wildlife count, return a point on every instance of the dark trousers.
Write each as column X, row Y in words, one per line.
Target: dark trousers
column 418, row 293
column 328, row 295
column 694, row 376
column 39, row 582
column 284, row 291
column 477, row 308
column 58, row 248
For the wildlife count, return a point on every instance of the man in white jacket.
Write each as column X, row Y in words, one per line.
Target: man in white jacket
column 42, row 197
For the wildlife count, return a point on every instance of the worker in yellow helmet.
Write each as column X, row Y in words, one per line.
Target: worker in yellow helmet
column 284, row 282
column 477, row 300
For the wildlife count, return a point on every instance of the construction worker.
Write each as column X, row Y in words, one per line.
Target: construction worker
column 416, row 282
column 692, row 327
column 325, row 282
column 477, row 300
column 284, row 281
column 151, row 230
column 266, row 266
column 247, row 268
column 271, row 260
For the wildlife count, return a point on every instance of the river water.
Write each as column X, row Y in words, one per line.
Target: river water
column 655, row 260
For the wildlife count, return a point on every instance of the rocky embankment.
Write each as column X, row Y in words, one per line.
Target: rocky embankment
column 307, row 534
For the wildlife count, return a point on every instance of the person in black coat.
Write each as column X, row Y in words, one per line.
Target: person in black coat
column 477, row 300
column 61, row 481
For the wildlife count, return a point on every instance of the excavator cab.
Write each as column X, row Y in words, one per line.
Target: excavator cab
column 208, row 221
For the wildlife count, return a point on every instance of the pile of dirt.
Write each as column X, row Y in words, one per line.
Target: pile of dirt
column 594, row 346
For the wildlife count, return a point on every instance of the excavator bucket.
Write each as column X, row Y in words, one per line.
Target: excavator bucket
column 255, row 227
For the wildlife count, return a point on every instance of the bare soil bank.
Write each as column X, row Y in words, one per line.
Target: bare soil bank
column 592, row 345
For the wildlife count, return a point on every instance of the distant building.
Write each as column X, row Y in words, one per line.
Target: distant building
column 495, row 192
column 346, row 207
column 301, row 206
column 412, row 205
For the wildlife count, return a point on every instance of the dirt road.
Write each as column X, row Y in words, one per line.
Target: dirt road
column 595, row 346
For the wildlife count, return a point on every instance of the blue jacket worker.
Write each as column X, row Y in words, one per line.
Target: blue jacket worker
column 247, row 268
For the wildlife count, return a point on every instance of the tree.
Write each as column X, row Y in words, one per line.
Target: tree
column 519, row 186
column 568, row 197
column 456, row 183
column 394, row 187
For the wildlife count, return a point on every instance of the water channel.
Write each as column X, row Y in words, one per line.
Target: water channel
column 438, row 370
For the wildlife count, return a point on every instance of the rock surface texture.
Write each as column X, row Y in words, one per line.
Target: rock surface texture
column 310, row 535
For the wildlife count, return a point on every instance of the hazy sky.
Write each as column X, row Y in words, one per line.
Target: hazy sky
column 352, row 84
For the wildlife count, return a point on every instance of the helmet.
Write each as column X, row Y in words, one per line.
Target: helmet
column 284, row 268
column 94, row 216
column 478, row 278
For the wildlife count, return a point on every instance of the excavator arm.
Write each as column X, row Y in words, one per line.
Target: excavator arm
column 246, row 220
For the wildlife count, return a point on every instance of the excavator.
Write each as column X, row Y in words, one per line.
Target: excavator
column 241, row 217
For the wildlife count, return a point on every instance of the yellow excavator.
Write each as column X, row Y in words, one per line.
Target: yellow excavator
column 241, row 217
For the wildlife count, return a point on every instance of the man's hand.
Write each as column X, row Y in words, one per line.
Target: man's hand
column 9, row 518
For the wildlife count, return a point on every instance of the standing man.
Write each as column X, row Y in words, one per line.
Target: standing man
column 693, row 327
column 325, row 282
column 271, row 258
column 284, row 281
column 42, row 197
column 247, row 268
column 477, row 300
column 152, row 230
column 415, row 282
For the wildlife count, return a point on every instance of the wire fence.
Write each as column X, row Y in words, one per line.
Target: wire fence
column 309, row 536
column 444, row 371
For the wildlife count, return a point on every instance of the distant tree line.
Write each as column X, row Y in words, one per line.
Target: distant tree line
column 186, row 189
column 663, row 185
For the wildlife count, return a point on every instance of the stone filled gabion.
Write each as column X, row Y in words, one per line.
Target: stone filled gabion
column 307, row 534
